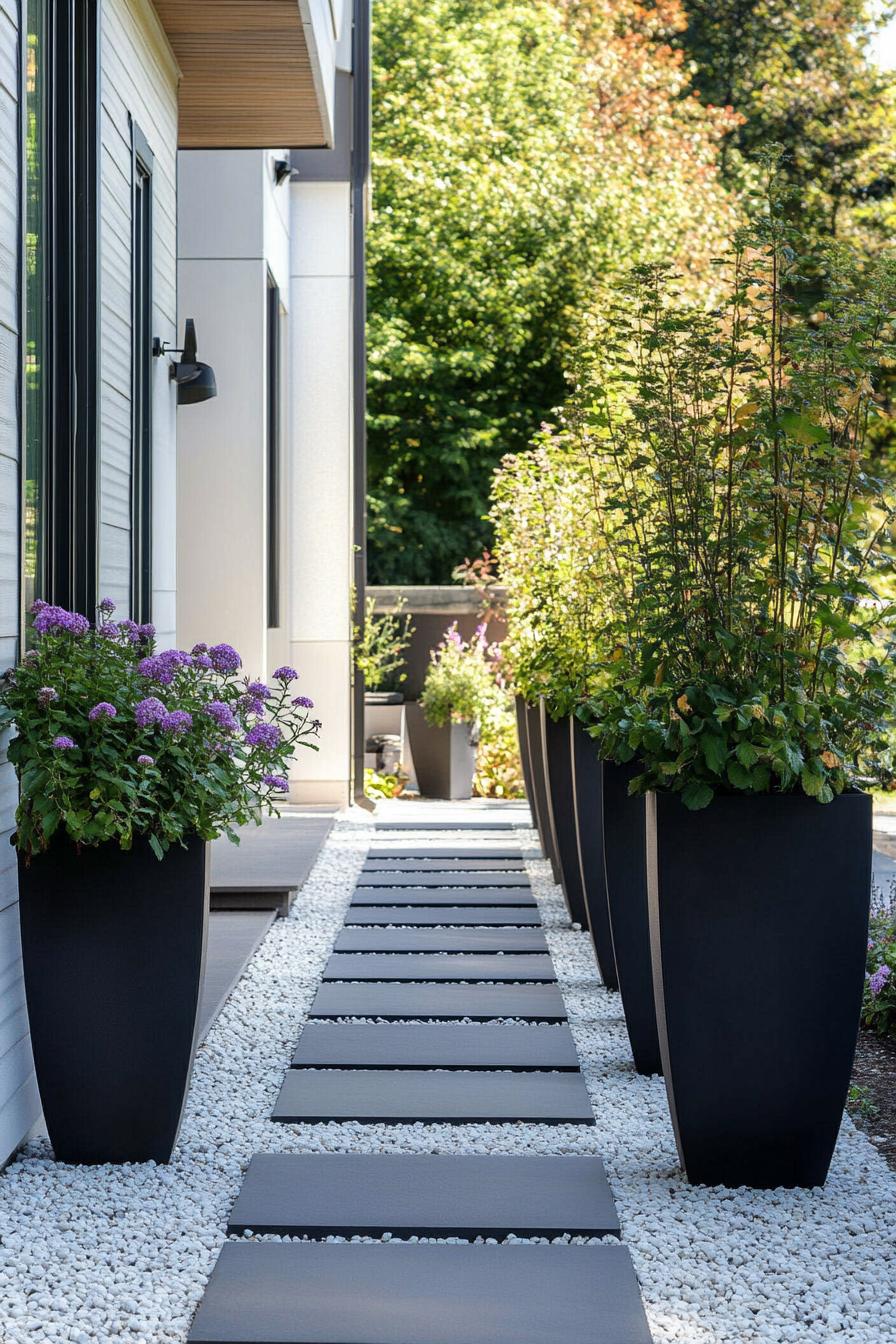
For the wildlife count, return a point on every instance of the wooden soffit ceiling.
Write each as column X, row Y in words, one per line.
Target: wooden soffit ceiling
column 246, row 74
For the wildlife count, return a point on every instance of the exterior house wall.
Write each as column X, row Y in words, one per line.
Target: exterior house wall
column 139, row 82
column 19, row 1101
column 233, row 234
column 321, row 470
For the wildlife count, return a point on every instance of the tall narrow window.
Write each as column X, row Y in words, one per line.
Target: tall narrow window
column 273, row 452
column 141, row 391
column 59, row 302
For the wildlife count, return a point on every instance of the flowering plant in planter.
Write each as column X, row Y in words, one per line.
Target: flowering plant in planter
column 460, row 685
column 115, row 740
column 756, row 653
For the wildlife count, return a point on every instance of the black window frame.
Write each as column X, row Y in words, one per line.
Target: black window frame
column 69, row 389
column 142, row 163
column 273, row 381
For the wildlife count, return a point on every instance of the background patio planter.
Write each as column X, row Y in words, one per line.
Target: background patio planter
column 113, row 944
column 587, row 780
column 444, row 757
column 626, row 873
column 539, row 787
column 561, row 809
column 758, row 920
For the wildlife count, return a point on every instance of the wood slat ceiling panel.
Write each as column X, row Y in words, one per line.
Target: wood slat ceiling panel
column 246, row 74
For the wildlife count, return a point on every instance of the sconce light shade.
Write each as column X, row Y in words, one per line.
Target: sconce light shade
column 195, row 380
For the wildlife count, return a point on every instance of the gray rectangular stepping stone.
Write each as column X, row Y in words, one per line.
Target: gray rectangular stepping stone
column 510, row 941
column 394, row 1293
column 540, row 1003
column 445, row 825
column 434, row 1045
column 439, row 880
column 377, row 864
column 471, row 915
column 367, row 1194
column 488, row 966
column 483, row 851
column 398, row 1097
column 442, row 896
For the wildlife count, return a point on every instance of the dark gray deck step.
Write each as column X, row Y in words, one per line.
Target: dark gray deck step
column 405, row 1096
column 477, row 880
column 442, row 896
column 487, row 966
column 539, row 1003
column 364, row 1194
column 295, row 1293
column 510, row 941
column 377, row 864
column 435, row 1045
column 483, row 851
column 471, row 915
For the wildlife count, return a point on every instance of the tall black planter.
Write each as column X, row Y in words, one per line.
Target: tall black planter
column 759, row 922
column 539, row 788
column 562, row 813
column 587, row 795
column 522, row 733
column 113, row 946
column 626, row 871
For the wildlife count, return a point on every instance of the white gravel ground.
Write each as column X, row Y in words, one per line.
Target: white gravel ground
column 123, row 1254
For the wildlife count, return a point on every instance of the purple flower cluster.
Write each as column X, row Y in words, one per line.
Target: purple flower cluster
column 177, row 722
column 222, row 714
column 278, row 783
column 161, row 667
column 63, row 743
column 46, row 695
column 879, row 979
column 285, row 674
column 257, row 690
column 48, row 618
column 102, row 711
column 224, row 658
column 264, row 735
column 143, row 759
column 109, row 630
column 149, row 711
column 303, row 702
column 107, row 606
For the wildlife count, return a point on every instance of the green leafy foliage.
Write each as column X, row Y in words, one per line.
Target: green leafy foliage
column 879, row 1003
column 114, row 741
column 521, row 153
column 460, row 684
column 380, row 646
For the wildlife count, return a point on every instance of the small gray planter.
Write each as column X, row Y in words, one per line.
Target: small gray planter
column 444, row 758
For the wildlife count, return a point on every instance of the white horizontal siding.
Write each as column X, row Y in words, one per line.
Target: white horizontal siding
column 19, row 1102
column 138, row 81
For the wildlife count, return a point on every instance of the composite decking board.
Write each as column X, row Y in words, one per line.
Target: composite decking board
column 367, row 1194
column 276, row 856
column 458, row 826
column 376, row 864
column 232, row 939
column 478, row 881
column 538, row 1003
column 486, row 966
column 443, row 897
column 439, row 1045
column 508, row 940
column 457, row 916
column 406, row 1096
column 394, row 1293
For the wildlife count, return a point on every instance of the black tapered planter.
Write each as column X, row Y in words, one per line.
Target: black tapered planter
column 539, row 789
column 113, row 947
column 562, row 813
column 522, row 734
column 626, row 872
column 759, row 926
column 587, row 794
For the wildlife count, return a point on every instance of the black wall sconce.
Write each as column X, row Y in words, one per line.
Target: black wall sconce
column 195, row 380
column 282, row 170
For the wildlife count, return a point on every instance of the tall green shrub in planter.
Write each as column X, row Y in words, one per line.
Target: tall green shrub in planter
column 759, row 682
column 129, row 761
